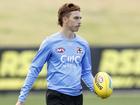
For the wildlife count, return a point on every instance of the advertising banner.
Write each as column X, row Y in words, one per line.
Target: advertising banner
column 14, row 66
column 122, row 64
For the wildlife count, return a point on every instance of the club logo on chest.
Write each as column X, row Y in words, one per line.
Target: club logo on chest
column 79, row 50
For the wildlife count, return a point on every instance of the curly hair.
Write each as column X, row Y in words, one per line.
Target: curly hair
column 65, row 10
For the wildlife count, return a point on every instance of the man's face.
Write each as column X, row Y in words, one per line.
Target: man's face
column 73, row 21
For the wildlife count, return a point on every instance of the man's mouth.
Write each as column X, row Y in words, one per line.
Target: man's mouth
column 78, row 26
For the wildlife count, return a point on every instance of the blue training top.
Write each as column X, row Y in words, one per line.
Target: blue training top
column 68, row 61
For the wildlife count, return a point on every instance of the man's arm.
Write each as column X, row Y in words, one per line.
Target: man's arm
column 86, row 69
column 36, row 66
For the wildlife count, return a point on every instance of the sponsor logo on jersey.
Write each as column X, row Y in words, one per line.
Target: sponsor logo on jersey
column 70, row 59
column 60, row 50
column 79, row 50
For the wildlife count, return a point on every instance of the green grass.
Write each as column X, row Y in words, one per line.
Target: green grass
column 89, row 99
column 107, row 22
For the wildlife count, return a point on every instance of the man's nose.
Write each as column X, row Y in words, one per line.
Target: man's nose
column 79, row 21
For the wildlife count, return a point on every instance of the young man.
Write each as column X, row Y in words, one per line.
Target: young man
column 68, row 62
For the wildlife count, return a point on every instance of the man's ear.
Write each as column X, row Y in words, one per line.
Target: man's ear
column 65, row 19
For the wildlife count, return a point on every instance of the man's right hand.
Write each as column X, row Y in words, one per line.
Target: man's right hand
column 19, row 103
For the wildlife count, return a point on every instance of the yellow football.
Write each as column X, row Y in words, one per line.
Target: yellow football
column 103, row 85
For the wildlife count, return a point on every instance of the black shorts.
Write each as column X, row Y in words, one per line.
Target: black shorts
column 56, row 98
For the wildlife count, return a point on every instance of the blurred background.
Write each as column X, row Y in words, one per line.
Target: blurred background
column 112, row 28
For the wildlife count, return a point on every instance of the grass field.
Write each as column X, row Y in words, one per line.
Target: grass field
column 105, row 22
column 122, row 98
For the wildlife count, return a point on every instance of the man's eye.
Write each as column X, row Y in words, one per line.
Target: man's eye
column 77, row 17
